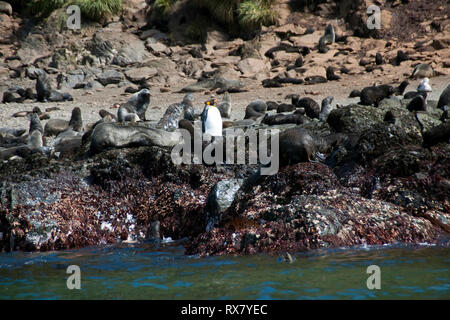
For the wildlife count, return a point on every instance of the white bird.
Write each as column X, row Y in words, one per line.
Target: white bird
column 211, row 119
column 424, row 88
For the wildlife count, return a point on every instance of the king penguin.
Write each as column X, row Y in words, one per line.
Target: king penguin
column 211, row 119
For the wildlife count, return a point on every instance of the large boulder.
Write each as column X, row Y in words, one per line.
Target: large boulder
column 34, row 47
column 115, row 47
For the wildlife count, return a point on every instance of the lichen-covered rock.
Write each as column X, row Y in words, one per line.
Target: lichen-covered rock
column 220, row 199
column 304, row 207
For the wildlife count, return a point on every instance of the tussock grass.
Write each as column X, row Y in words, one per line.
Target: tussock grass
column 254, row 14
column 95, row 10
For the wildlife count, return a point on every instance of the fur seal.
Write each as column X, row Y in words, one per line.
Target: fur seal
column 326, row 108
column 417, row 104
column 401, row 56
column 55, row 126
column 43, row 86
column 136, row 106
column 373, row 95
column 378, row 59
column 35, row 124
column 315, row 80
column 355, row 93
column 283, row 119
column 410, row 94
column 255, row 109
column 444, row 99
column 296, row 145
column 285, row 107
column 328, row 38
column 272, row 105
column 125, row 113
column 330, row 74
column 76, row 122
column 177, row 111
column 225, row 106
column 401, row 88
column 312, row 108
column 389, row 117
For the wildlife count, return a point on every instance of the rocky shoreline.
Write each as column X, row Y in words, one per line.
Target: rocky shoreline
column 378, row 179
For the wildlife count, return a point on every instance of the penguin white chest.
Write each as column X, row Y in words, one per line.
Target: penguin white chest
column 213, row 123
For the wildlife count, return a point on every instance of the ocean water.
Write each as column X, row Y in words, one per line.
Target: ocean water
column 164, row 272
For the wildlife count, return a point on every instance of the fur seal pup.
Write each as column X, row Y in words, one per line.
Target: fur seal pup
column 283, row 119
column 136, row 106
column 225, row 106
column 401, row 88
column 315, row 80
column 389, row 117
column 328, row 38
column 410, row 94
column 401, row 56
column 296, row 145
column 312, row 108
column 326, row 108
column 378, row 59
column 355, row 93
column 373, row 95
column 56, row 96
column 43, row 86
column 418, row 103
column 53, row 127
column 140, row 101
column 35, row 124
column 255, row 109
column 285, row 107
column 330, row 74
column 76, row 122
column 272, row 105
column 177, row 111
column 126, row 114
column 444, row 99
column 104, row 113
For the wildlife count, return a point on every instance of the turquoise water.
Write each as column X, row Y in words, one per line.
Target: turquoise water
column 148, row 272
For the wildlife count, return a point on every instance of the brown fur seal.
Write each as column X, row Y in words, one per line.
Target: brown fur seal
column 285, row 107
column 134, row 109
column 255, row 109
column 76, row 122
column 373, row 95
column 283, row 119
column 43, row 86
column 312, row 108
column 296, row 145
column 444, row 99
